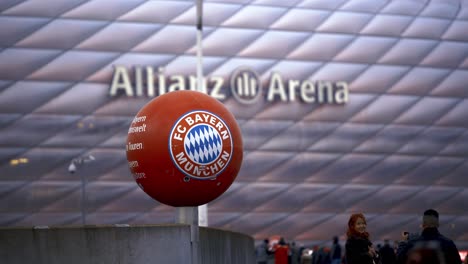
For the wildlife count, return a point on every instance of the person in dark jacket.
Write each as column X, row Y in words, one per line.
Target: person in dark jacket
column 387, row 254
column 430, row 240
column 358, row 247
column 335, row 252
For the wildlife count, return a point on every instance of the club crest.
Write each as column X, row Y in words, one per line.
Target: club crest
column 200, row 145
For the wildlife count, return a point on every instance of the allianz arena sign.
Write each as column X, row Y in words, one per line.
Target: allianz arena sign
column 244, row 85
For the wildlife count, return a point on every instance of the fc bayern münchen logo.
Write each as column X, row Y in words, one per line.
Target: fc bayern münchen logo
column 200, row 145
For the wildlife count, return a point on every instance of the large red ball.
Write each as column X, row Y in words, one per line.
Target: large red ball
column 184, row 148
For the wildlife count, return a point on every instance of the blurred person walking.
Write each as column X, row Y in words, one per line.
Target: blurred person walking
column 295, row 254
column 315, row 253
column 359, row 249
column 335, row 253
column 324, row 255
column 262, row 251
column 281, row 251
column 432, row 239
column 387, row 253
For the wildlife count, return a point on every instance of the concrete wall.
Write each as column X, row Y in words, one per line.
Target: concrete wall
column 225, row 247
column 127, row 245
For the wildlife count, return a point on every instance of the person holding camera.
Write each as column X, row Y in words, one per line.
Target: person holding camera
column 403, row 244
column 430, row 240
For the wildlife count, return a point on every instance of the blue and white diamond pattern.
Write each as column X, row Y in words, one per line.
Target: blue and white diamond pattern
column 203, row 144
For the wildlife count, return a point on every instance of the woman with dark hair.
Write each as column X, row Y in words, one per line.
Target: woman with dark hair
column 359, row 248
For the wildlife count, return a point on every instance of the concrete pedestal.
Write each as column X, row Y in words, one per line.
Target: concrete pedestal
column 122, row 244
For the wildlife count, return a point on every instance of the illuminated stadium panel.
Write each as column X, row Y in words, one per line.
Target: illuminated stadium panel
column 395, row 144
